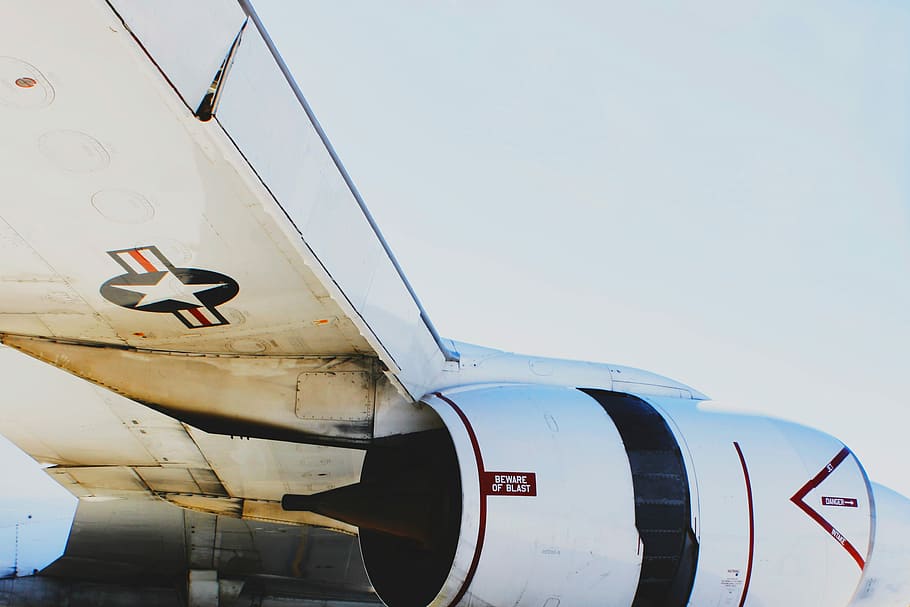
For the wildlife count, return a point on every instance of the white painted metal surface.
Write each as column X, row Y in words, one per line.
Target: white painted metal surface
column 189, row 40
column 480, row 365
column 795, row 559
column 575, row 541
column 885, row 582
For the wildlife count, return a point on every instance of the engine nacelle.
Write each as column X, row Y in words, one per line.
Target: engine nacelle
column 785, row 513
column 548, row 510
column 547, row 496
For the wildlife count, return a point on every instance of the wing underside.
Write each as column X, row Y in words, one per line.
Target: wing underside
column 176, row 229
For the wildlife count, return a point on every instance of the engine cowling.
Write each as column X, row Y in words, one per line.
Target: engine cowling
column 548, row 496
column 548, row 502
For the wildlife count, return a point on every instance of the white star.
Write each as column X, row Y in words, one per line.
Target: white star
column 169, row 287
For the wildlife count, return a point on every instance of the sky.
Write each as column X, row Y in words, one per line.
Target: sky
column 717, row 193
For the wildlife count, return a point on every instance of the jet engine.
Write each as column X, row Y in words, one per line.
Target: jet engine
column 545, row 496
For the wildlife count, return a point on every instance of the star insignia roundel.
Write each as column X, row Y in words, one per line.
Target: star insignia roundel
column 152, row 284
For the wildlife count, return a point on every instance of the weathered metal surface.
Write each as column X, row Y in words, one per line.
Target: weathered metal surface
column 238, row 395
column 100, row 445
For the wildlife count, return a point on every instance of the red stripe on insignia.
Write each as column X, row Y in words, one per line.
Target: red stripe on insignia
column 185, row 317
column 798, row 499
column 748, row 580
column 142, row 261
column 213, row 320
column 200, row 317
column 482, row 523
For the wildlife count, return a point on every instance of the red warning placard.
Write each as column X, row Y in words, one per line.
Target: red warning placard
column 516, row 484
column 843, row 502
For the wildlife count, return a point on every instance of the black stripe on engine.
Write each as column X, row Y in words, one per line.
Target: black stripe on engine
column 662, row 502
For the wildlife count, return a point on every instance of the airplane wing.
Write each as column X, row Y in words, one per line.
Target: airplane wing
column 100, row 445
column 176, row 228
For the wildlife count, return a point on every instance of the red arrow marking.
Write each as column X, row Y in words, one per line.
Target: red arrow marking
column 799, row 499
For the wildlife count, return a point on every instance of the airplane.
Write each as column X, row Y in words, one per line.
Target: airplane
column 271, row 414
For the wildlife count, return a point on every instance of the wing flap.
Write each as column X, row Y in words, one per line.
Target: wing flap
column 188, row 40
column 262, row 114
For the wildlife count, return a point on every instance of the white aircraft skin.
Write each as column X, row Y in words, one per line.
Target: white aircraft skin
column 259, row 370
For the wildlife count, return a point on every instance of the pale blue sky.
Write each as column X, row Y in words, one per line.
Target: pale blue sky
column 716, row 193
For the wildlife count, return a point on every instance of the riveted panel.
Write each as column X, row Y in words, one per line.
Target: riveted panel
column 337, row 396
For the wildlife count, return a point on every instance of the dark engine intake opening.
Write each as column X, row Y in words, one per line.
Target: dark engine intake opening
column 408, row 508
